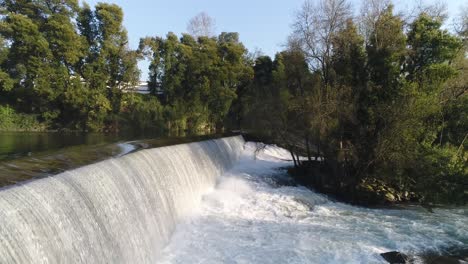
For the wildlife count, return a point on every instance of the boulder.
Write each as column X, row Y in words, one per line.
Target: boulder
column 395, row 257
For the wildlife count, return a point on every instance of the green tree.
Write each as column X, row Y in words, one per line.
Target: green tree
column 109, row 66
column 196, row 79
column 431, row 51
column 386, row 52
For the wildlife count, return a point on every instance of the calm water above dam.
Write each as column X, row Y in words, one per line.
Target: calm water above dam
column 24, row 156
column 15, row 145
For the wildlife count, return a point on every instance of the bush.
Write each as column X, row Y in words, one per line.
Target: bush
column 10, row 120
column 442, row 175
column 142, row 113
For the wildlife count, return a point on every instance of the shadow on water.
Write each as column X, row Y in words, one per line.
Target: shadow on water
column 26, row 156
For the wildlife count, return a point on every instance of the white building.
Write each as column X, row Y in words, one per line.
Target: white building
column 141, row 88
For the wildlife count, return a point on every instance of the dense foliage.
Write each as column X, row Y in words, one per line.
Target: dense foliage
column 12, row 121
column 196, row 79
column 64, row 62
column 388, row 112
column 69, row 67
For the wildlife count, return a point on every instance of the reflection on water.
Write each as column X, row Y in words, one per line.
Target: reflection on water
column 25, row 156
column 20, row 144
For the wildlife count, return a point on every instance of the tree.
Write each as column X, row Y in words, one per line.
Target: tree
column 197, row 79
column 235, row 74
column 431, row 50
column 348, row 61
column 202, row 25
column 386, row 53
column 383, row 103
column 314, row 27
column 370, row 14
column 379, row 104
column 461, row 24
column 109, row 66
column 349, row 79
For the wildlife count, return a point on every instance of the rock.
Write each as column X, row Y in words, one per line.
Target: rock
column 395, row 257
column 390, row 197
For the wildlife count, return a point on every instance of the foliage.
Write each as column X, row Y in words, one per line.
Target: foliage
column 143, row 113
column 65, row 62
column 440, row 174
column 196, row 79
column 10, row 120
column 386, row 111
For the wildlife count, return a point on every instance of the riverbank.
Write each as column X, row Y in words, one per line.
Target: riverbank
column 337, row 177
column 12, row 121
column 324, row 178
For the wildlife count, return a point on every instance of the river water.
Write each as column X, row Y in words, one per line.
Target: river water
column 256, row 215
column 217, row 201
column 15, row 145
column 25, row 156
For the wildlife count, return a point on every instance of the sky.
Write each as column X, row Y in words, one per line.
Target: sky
column 262, row 24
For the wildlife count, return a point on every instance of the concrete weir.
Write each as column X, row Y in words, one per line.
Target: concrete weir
column 121, row 210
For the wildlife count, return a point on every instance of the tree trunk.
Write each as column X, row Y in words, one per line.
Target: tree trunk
column 294, row 158
column 298, row 160
column 317, row 156
column 309, row 157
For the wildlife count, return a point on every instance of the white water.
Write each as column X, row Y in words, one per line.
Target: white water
column 125, row 210
column 121, row 210
column 250, row 218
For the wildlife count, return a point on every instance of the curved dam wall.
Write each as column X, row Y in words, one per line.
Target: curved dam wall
column 121, row 210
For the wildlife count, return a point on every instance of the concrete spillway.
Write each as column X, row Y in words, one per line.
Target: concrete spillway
column 121, row 210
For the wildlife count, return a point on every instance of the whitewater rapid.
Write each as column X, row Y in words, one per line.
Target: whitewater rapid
column 257, row 215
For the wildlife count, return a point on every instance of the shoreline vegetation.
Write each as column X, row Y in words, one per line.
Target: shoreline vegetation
column 11, row 121
column 377, row 103
column 332, row 179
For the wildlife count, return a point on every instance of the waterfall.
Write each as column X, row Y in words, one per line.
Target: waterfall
column 121, row 210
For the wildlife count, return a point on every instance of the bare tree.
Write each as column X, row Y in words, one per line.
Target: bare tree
column 370, row 14
column 314, row 27
column 437, row 10
column 202, row 25
column 460, row 23
column 253, row 55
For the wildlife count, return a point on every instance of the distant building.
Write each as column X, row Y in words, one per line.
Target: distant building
column 141, row 88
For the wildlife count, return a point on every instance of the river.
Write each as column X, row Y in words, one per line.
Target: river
column 29, row 155
column 257, row 215
column 216, row 201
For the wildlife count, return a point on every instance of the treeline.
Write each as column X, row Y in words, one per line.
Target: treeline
column 65, row 63
column 69, row 67
column 383, row 100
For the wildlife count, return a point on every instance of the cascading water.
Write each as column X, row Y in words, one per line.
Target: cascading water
column 256, row 214
column 121, row 210
column 125, row 210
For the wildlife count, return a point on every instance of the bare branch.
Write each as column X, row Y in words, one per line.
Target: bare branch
column 370, row 14
column 314, row 27
column 202, row 25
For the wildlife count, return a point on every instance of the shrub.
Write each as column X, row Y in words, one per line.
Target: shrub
column 10, row 120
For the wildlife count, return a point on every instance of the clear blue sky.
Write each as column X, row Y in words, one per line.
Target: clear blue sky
column 263, row 24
